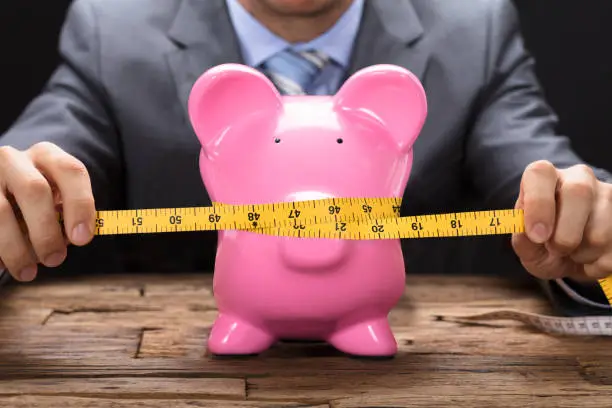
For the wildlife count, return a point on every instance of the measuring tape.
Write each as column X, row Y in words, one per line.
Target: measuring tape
column 339, row 218
column 354, row 219
column 576, row 326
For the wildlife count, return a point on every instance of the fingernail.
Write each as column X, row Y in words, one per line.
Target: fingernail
column 28, row 274
column 80, row 234
column 54, row 259
column 539, row 233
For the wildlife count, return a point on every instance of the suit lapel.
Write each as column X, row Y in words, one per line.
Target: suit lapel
column 204, row 36
column 389, row 34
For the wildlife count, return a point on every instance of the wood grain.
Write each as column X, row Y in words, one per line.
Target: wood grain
column 80, row 402
column 140, row 341
column 128, row 387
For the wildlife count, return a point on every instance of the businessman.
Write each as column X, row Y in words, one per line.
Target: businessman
column 110, row 129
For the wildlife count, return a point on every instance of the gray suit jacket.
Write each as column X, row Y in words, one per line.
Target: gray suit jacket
column 118, row 103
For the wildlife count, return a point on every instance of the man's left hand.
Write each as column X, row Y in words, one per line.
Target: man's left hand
column 568, row 223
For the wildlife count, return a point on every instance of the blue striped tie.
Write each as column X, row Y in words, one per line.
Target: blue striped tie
column 293, row 72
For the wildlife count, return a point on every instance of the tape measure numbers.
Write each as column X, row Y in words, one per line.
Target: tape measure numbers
column 340, row 218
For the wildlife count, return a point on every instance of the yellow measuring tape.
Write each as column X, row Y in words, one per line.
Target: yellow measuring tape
column 340, row 218
column 331, row 218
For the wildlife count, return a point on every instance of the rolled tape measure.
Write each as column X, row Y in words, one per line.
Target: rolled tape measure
column 576, row 326
column 355, row 219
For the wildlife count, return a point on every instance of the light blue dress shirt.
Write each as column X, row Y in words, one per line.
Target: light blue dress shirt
column 257, row 43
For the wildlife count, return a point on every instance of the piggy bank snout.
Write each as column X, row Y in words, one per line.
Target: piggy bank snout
column 312, row 254
column 315, row 254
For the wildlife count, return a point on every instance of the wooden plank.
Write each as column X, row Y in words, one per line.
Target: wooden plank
column 536, row 400
column 189, row 285
column 75, row 342
column 269, row 367
column 128, row 387
column 94, row 286
column 491, row 340
column 180, row 342
column 483, row 382
column 597, row 371
column 107, row 301
column 457, row 289
column 167, row 318
column 12, row 315
column 77, row 402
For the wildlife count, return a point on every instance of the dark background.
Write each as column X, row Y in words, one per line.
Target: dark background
column 569, row 38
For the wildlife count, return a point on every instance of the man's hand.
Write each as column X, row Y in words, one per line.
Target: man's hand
column 34, row 185
column 568, row 223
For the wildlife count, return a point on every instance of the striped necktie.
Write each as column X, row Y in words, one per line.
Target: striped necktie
column 293, row 72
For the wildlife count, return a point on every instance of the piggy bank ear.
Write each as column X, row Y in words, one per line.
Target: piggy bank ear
column 225, row 95
column 389, row 94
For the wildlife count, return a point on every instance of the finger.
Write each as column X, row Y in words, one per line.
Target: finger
column 537, row 197
column 72, row 180
column 600, row 269
column 597, row 236
column 15, row 253
column 585, row 254
column 575, row 200
column 530, row 253
column 594, row 271
column 33, row 195
column 538, row 261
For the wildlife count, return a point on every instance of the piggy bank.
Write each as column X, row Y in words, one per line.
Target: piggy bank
column 258, row 146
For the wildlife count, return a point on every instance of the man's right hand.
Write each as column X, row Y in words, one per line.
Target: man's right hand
column 34, row 185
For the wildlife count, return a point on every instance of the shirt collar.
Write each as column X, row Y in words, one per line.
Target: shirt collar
column 258, row 43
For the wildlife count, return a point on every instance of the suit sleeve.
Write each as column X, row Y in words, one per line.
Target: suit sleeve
column 514, row 126
column 72, row 110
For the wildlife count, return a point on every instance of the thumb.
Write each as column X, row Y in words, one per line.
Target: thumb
column 530, row 253
column 533, row 256
column 540, row 262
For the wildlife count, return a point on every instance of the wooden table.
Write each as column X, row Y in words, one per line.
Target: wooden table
column 139, row 341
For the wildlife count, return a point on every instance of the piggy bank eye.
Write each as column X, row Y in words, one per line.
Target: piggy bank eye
column 339, row 140
column 277, row 140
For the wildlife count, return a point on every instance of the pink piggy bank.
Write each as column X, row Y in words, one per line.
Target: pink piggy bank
column 261, row 147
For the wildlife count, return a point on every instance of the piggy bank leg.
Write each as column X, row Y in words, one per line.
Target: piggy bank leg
column 234, row 336
column 366, row 338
